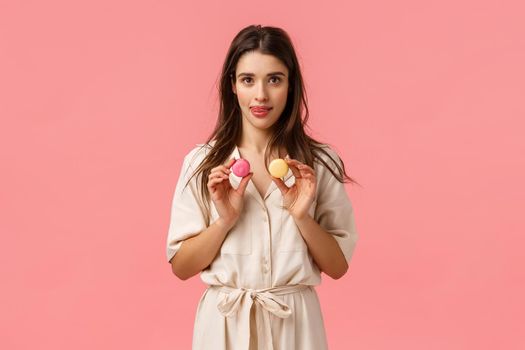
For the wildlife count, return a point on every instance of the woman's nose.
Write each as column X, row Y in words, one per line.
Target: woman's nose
column 261, row 92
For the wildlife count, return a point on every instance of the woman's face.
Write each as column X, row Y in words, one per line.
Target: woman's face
column 261, row 80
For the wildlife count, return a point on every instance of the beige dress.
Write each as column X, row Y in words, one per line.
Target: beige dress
column 261, row 291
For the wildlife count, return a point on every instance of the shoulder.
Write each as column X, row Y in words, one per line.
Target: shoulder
column 196, row 154
column 326, row 164
column 328, row 154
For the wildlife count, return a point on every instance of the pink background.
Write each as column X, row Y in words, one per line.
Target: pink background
column 100, row 101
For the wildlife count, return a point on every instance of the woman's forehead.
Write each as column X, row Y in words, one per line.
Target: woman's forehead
column 256, row 63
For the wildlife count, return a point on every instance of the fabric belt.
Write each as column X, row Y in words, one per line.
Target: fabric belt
column 238, row 302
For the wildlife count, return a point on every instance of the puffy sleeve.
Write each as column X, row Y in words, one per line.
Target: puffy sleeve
column 334, row 211
column 187, row 216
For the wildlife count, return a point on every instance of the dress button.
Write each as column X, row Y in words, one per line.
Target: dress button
column 265, row 265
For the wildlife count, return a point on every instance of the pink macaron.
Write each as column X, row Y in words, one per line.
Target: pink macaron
column 241, row 167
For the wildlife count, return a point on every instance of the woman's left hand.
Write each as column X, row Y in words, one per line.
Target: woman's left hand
column 299, row 197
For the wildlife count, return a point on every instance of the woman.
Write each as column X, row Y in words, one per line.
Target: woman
column 261, row 242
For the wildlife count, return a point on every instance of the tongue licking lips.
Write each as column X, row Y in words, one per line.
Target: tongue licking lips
column 260, row 109
column 260, row 112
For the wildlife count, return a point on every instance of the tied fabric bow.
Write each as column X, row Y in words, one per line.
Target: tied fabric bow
column 239, row 301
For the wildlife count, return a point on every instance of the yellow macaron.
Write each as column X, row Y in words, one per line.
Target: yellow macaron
column 278, row 168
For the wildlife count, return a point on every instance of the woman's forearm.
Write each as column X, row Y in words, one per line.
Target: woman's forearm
column 323, row 247
column 197, row 252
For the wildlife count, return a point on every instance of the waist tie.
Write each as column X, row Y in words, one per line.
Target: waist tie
column 238, row 302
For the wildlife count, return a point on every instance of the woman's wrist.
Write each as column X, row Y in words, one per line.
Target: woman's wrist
column 225, row 224
column 300, row 219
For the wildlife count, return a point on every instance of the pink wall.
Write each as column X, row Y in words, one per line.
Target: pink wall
column 423, row 99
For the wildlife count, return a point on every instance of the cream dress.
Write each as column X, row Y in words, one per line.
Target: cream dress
column 261, row 291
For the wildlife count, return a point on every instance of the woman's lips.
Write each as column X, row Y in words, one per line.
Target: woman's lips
column 260, row 112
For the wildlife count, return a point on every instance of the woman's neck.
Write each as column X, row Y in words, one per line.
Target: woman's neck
column 254, row 143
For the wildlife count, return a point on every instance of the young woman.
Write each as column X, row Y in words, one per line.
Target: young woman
column 261, row 242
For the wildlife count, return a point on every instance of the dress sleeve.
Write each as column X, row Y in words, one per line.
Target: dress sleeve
column 187, row 215
column 334, row 212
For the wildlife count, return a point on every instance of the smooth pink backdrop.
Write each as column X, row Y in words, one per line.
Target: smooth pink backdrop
column 100, row 100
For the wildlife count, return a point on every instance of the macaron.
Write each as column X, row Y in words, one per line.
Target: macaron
column 278, row 168
column 241, row 167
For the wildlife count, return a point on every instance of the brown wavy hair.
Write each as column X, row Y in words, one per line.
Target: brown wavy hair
column 288, row 130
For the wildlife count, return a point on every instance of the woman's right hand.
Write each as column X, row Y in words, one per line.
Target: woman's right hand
column 228, row 200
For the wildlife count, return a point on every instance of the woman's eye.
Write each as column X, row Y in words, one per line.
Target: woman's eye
column 277, row 79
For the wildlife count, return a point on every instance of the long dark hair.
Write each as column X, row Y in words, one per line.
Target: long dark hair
column 288, row 129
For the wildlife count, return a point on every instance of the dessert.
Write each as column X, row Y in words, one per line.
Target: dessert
column 241, row 167
column 278, row 168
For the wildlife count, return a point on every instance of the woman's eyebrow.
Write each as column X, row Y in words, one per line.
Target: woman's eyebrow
column 251, row 74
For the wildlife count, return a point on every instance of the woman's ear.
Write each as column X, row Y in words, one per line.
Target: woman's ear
column 234, row 88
